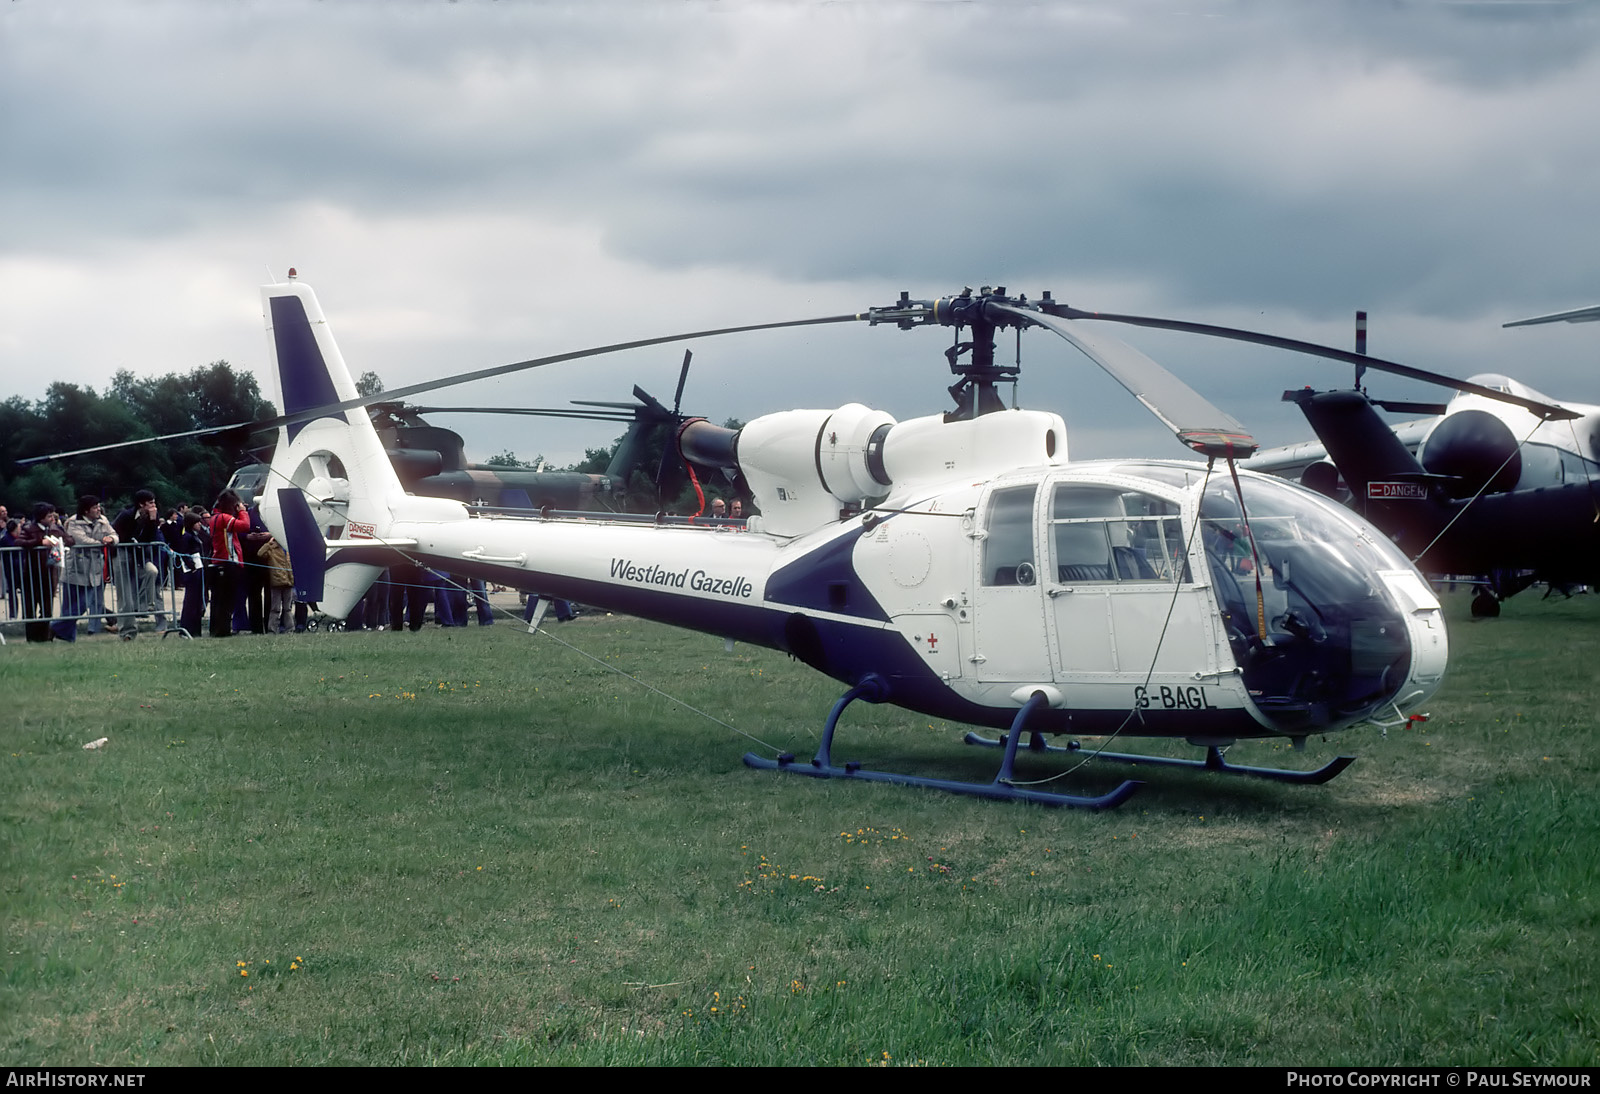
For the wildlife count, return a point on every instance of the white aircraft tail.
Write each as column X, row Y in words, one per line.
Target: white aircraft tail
column 330, row 478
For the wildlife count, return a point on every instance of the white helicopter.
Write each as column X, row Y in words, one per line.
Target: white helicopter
column 956, row 564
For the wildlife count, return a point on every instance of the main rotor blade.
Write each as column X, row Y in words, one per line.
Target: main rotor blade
column 1577, row 315
column 536, row 362
column 1195, row 421
column 248, row 427
column 396, row 394
column 1547, row 411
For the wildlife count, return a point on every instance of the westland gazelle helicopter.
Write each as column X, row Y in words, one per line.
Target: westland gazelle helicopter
column 956, row 564
column 1500, row 484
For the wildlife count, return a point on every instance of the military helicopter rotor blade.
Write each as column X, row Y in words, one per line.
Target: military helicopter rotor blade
column 399, row 393
column 1547, row 411
column 646, row 402
column 670, row 449
column 683, row 378
column 1191, row 417
column 651, row 403
column 530, row 411
column 599, row 402
column 1401, row 406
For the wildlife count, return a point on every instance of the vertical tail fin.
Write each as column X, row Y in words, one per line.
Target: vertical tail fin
column 1359, row 442
column 336, row 461
column 1390, row 487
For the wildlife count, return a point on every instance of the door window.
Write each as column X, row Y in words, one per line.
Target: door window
column 1101, row 534
column 1008, row 542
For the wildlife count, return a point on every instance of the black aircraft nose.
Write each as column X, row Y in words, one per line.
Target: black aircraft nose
column 1474, row 447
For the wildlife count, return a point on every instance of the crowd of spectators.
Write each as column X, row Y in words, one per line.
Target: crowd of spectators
column 55, row 575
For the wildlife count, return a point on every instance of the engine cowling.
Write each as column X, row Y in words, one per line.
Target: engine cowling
column 805, row 466
column 1475, row 448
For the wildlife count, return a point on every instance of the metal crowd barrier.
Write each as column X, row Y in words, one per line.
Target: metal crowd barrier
column 140, row 588
column 124, row 588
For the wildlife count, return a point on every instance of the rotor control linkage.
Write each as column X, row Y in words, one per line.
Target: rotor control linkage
column 983, row 312
column 1194, row 421
column 874, row 690
column 1212, row 762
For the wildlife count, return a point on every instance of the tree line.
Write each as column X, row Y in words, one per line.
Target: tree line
column 196, row 469
column 70, row 417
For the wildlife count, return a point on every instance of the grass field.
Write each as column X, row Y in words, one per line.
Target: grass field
column 479, row 847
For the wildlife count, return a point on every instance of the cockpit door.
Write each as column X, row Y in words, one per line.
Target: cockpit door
column 1124, row 613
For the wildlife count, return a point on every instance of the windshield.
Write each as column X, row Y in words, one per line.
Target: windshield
column 1323, row 641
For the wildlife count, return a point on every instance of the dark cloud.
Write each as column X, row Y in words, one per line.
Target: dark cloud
column 1434, row 163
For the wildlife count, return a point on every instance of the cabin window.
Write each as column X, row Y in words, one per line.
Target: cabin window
column 1101, row 534
column 1574, row 468
column 1541, row 466
column 1008, row 539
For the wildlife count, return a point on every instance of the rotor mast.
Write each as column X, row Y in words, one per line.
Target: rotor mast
column 977, row 376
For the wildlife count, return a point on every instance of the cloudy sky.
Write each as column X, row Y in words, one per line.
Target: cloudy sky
column 478, row 182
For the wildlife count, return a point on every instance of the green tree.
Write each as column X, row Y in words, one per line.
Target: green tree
column 70, row 417
column 595, row 460
column 508, row 458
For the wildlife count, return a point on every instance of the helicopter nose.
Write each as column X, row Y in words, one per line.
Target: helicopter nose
column 1430, row 645
column 1339, row 649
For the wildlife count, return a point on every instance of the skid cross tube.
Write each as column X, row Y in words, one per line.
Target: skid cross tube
column 1001, row 789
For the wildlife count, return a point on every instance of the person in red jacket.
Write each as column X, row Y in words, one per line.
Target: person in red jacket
column 228, row 522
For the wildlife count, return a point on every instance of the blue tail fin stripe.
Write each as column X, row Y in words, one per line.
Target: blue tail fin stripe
column 302, row 372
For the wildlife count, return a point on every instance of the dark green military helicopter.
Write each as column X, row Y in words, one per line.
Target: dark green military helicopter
column 431, row 460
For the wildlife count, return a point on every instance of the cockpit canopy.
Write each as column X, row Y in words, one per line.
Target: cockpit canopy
column 1311, row 622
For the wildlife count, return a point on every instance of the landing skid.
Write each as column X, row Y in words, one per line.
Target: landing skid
column 1212, row 762
column 1001, row 789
